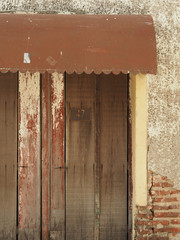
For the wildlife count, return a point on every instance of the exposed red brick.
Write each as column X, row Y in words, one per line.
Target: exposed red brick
column 175, row 221
column 169, row 230
column 142, row 208
column 142, row 238
column 159, row 177
column 166, row 214
column 146, row 216
column 162, row 184
column 164, row 193
column 153, row 238
column 166, row 199
column 144, row 232
column 166, row 207
column 158, row 238
column 153, row 223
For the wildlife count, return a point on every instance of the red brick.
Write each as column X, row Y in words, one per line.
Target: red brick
column 166, row 214
column 166, row 207
column 162, row 184
column 143, row 232
column 142, row 208
column 158, row 178
column 153, row 223
column 160, row 207
column 158, row 238
column 142, row 238
column 169, row 230
column 164, row 193
column 175, row 192
column 166, row 200
column 145, row 216
column 175, row 221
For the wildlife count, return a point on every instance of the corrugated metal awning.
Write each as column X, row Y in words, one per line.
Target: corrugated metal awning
column 77, row 43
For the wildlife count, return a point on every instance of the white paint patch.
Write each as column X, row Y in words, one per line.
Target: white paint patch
column 29, row 95
column 58, row 98
column 27, row 57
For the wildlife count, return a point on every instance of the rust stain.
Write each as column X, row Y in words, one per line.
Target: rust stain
column 80, row 43
column 31, row 124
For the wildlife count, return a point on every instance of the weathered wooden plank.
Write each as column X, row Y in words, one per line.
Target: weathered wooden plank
column 29, row 157
column 46, row 155
column 57, row 164
column 97, row 162
column 8, row 155
column 80, row 156
column 113, row 152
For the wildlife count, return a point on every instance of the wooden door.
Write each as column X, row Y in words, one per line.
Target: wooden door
column 96, row 157
column 8, row 156
column 72, row 171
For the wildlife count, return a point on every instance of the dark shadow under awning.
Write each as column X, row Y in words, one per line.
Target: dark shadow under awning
column 77, row 43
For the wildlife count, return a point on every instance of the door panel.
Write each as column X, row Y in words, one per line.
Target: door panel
column 80, row 156
column 81, row 194
column 53, row 188
column 96, row 201
column 113, row 157
column 57, row 158
column 8, row 155
column 46, row 155
column 29, row 162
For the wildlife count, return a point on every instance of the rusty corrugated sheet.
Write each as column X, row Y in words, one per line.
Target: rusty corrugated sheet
column 77, row 43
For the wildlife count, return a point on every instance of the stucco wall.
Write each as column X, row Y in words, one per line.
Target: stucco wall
column 163, row 89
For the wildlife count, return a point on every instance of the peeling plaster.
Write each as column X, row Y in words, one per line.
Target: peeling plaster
column 163, row 89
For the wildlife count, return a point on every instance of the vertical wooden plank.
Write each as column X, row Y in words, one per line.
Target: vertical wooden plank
column 80, row 156
column 8, row 155
column 97, row 162
column 46, row 155
column 130, row 177
column 113, row 153
column 29, row 156
column 57, row 164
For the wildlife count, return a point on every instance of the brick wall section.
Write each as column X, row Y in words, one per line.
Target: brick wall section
column 160, row 219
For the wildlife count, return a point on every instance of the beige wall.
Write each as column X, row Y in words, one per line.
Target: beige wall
column 138, row 96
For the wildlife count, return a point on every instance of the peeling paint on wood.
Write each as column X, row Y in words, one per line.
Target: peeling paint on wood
column 29, row 156
column 46, row 156
column 57, row 173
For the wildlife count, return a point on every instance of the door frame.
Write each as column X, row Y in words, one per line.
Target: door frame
column 137, row 136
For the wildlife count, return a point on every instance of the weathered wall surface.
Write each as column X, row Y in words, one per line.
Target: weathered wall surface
column 159, row 220
column 163, row 100
column 163, row 89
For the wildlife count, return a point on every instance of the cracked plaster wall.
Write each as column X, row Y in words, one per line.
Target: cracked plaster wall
column 163, row 89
